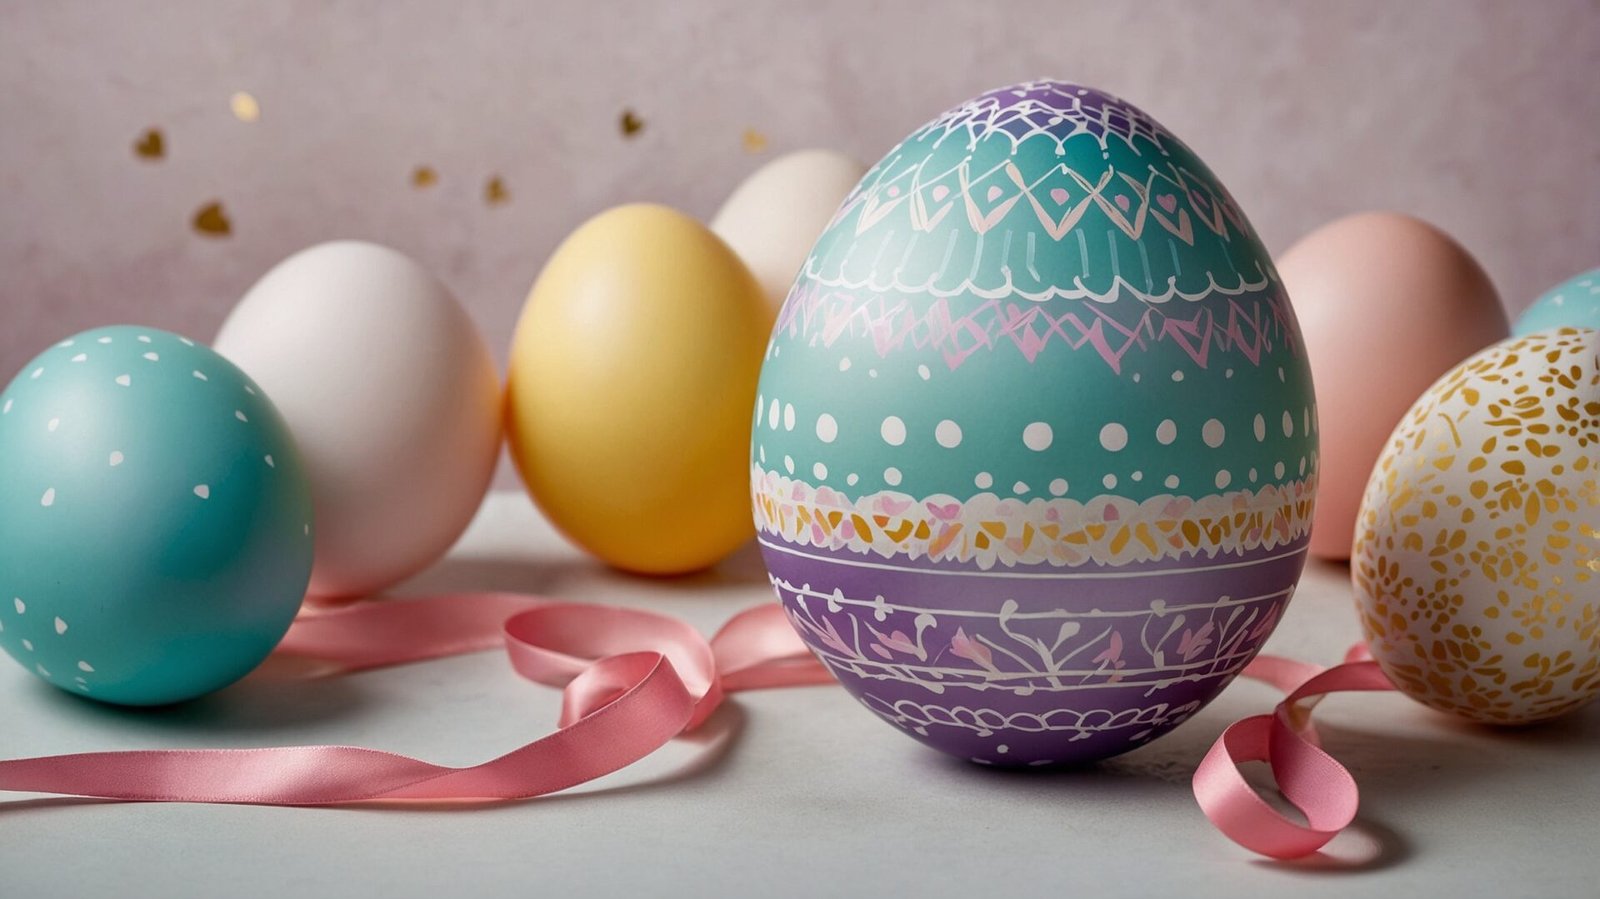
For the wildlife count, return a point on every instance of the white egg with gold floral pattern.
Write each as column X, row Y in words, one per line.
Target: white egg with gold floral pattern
column 1477, row 553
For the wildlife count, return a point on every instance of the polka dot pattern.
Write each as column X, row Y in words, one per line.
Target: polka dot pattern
column 118, row 434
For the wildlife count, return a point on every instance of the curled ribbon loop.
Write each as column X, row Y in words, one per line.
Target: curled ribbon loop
column 632, row 681
column 1311, row 779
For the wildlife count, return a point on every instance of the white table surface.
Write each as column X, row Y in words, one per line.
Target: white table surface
column 793, row 792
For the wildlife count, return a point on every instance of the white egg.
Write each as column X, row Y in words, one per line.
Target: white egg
column 1477, row 552
column 774, row 216
column 392, row 397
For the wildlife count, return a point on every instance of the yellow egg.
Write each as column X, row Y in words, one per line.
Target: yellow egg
column 633, row 373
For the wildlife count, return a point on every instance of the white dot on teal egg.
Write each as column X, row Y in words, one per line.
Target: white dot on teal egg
column 201, row 375
column 1058, row 487
column 6, row 410
column 123, row 380
column 144, row 338
column 1172, row 482
column 1253, row 476
column 1223, row 478
column 1277, row 470
column 788, row 417
column 1109, row 480
column 891, row 476
column 948, row 434
column 61, row 626
column 788, row 464
column 152, row 357
column 203, row 491
column 1019, row 488
column 1177, row 376
column 772, row 416
column 923, row 372
column 984, row 480
column 1261, row 427
column 49, row 498
column 85, row 667
column 1166, row 432
column 239, row 414
column 1114, row 437
column 28, row 645
column 1213, row 433
column 104, row 340
column 844, row 364
column 268, row 459
column 37, row 372
column 852, row 478
column 1280, row 373
column 1038, row 436
column 52, row 425
column 820, row 471
column 1137, row 476
column 1228, row 373
column 19, row 605
column 1305, row 420
column 1302, row 465
column 893, row 430
column 81, row 357
column 1288, row 424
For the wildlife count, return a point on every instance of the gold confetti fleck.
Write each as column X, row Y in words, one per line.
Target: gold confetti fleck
column 495, row 192
column 754, row 141
column 424, row 176
column 151, row 145
column 631, row 123
column 211, row 221
column 244, row 106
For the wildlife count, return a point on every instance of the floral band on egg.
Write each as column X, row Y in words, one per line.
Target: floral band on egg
column 987, row 529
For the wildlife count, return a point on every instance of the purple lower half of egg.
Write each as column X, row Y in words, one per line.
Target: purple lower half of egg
column 1033, row 665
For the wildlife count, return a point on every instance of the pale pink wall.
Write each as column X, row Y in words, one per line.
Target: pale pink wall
column 1481, row 116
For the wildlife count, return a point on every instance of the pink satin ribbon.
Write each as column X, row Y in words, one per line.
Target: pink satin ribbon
column 1311, row 779
column 633, row 680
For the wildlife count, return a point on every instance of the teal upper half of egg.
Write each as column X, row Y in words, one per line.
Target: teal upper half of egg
column 1042, row 293
column 1574, row 303
column 155, row 521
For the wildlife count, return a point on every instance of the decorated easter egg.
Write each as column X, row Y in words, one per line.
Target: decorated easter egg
column 392, row 396
column 1477, row 553
column 774, row 216
column 1574, row 303
column 1034, row 448
column 1436, row 306
column 155, row 521
column 632, row 372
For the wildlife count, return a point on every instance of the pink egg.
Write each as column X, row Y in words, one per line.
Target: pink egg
column 1388, row 304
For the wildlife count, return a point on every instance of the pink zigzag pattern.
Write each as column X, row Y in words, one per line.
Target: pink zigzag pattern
column 1250, row 328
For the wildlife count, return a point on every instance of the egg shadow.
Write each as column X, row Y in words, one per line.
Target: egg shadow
column 1395, row 771
column 272, row 699
column 570, row 576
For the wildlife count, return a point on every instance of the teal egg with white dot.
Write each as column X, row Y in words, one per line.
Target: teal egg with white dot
column 1574, row 303
column 155, row 521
